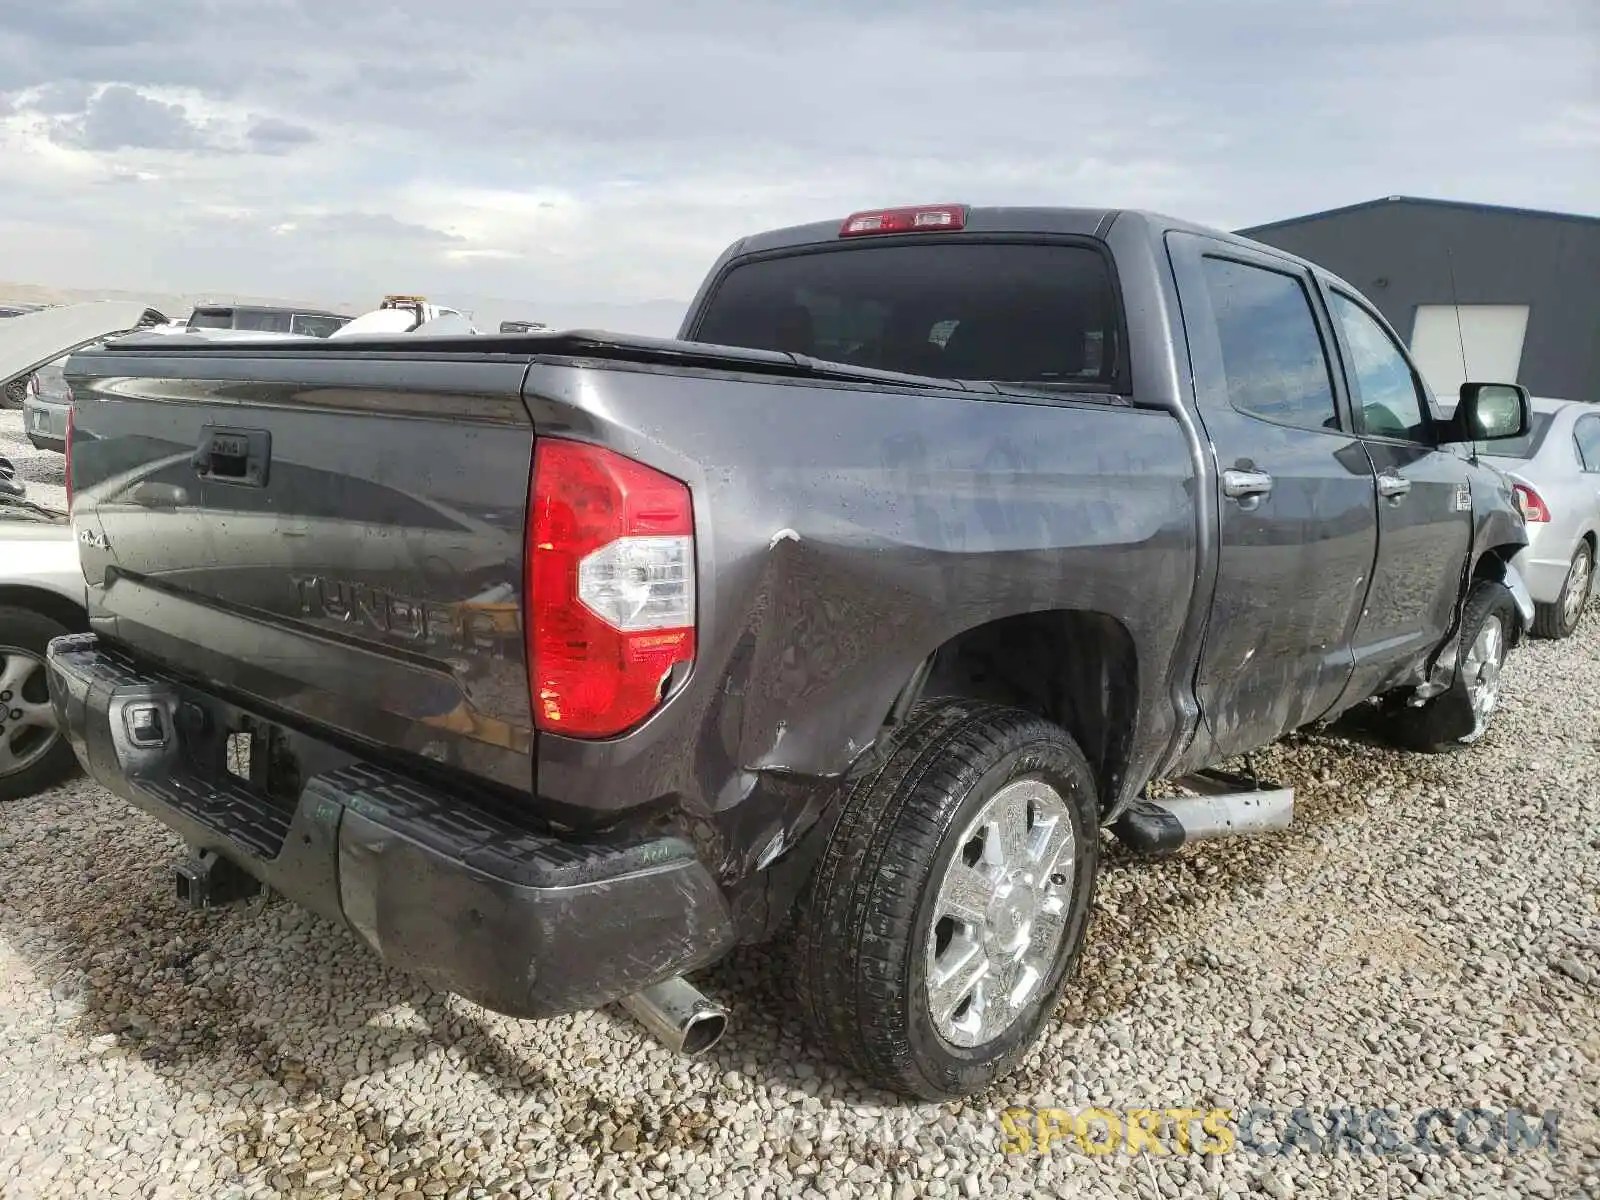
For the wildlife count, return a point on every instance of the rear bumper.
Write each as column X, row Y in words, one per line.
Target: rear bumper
column 1545, row 576
column 454, row 888
column 46, row 425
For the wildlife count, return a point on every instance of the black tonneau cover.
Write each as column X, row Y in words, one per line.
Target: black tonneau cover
column 570, row 344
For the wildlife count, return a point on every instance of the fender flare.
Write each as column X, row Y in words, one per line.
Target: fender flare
column 1502, row 570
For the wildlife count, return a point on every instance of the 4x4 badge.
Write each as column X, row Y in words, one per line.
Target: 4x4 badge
column 1463, row 497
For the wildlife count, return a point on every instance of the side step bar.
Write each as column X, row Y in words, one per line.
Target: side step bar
column 1227, row 806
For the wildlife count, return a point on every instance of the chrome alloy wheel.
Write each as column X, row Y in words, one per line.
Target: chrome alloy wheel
column 1481, row 670
column 1577, row 593
column 27, row 722
column 1001, row 913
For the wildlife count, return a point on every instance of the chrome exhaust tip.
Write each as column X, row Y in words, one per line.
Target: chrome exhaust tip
column 682, row 1018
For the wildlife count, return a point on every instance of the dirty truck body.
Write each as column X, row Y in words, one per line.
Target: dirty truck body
column 552, row 665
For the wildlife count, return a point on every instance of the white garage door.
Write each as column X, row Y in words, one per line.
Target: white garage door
column 1491, row 334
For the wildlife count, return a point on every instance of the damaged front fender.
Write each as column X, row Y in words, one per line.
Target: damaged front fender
column 1443, row 672
column 1512, row 578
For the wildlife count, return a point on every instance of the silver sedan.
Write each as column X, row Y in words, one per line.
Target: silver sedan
column 1555, row 471
column 41, row 597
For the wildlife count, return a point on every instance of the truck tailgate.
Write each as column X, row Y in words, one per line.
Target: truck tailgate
column 343, row 544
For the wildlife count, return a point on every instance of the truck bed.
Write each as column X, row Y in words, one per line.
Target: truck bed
column 369, row 580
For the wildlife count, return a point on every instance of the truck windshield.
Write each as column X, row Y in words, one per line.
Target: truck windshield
column 996, row 311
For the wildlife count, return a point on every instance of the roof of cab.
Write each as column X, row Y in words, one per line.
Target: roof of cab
column 1072, row 222
column 1082, row 222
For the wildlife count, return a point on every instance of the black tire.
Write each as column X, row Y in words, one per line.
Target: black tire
column 15, row 393
column 863, row 929
column 22, row 629
column 1551, row 620
column 1448, row 721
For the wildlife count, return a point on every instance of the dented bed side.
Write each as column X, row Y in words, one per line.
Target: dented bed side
column 862, row 529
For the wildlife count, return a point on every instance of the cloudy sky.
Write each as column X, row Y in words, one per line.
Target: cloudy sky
column 543, row 159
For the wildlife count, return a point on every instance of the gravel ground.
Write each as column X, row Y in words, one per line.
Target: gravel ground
column 1428, row 935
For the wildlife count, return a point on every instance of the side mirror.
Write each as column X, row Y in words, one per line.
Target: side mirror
column 1490, row 412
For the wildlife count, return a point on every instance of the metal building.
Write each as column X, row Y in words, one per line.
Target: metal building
column 1518, row 289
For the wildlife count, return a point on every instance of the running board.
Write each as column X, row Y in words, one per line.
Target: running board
column 1226, row 806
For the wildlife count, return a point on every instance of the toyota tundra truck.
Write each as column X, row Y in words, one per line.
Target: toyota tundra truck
column 555, row 665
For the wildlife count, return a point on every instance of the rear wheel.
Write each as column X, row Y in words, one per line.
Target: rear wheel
column 951, row 901
column 1460, row 716
column 33, row 753
column 1560, row 620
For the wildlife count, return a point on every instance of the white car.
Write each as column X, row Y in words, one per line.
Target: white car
column 41, row 597
column 1555, row 475
column 44, row 413
column 41, row 581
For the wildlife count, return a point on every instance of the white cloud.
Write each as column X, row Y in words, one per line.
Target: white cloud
column 606, row 152
column 1576, row 127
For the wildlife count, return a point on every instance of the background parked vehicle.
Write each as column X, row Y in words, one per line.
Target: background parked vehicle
column 408, row 314
column 41, row 580
column 16, row 391
column 44, row 413
column 260, row 318
column 41, row 597
column 935, row 538
column 30, row 341
column 1556, row 471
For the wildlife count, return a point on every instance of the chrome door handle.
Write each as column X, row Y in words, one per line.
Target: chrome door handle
column 1245, row 485
column 1392, row 487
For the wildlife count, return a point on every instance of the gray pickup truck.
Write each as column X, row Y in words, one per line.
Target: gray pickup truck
column 555, row 665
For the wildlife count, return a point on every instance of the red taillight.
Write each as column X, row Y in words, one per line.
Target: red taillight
column 1532, row 505
column 927, row 218
column 71, row 426
column 611, row 594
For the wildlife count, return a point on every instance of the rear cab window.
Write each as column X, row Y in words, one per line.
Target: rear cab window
column 1272, row 354
column 1030, row 313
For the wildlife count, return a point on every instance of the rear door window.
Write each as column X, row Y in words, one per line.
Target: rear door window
column 1004, row 312
column 1272, row 352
